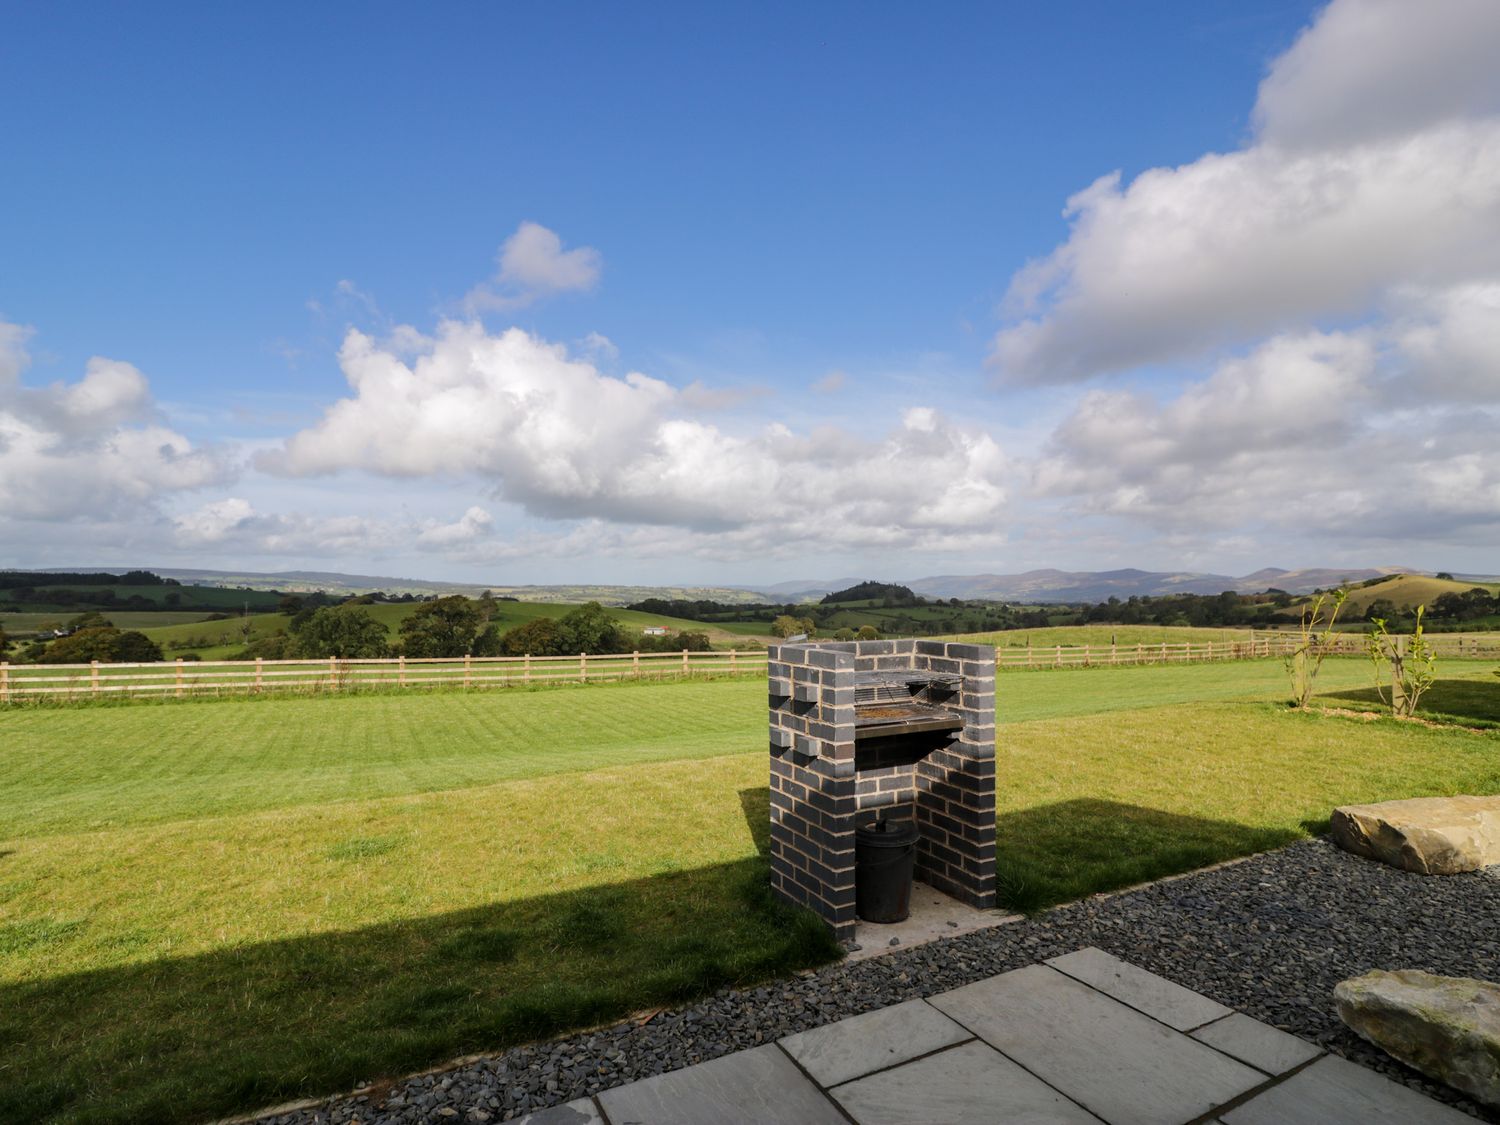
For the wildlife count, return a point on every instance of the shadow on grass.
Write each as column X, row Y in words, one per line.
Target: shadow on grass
column 756, row 804
column 1470, row 702
column 246, row 1027
column 1064, row 851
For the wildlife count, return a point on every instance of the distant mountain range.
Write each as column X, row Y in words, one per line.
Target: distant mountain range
column 1099, row 585
column 1030, row 586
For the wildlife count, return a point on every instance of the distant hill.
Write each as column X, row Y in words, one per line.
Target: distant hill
column 871, row 591
column 339, row 583
column 1404, row 591
column 1098, row 586
column 1091, row 586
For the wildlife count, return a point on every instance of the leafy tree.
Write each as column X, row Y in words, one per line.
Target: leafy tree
column 90, row 620
column 1315, row 628
column 132, row 647
column 4, row 640
column 442, row 627
column 103, row 643
column 94, row 643
column 348, row 632
column 1412, row 663
column 675, row 642
column 541, row 636
column 487, row 606
column 489, row 642
column 590, row 628
column 788, row 626
column 844, row 635
column 868, row 633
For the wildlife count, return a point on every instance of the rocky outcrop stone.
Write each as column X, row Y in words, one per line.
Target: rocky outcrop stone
column 1429, row 835
column 1446, row 1027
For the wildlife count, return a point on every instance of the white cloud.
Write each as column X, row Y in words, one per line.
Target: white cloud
column 532, row 264
column 1450, row 343
column 1282, row 236
column 1301, row 436
column 598, row 346
column 831, row 383
column 474, row 524
column 91, row 449
column 563, row 440
column 1378, row 68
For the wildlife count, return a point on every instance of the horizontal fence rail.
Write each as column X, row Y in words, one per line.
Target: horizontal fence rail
column 1186, row 652
column 181, row 678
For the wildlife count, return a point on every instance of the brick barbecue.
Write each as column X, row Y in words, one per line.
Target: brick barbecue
column 904, row 729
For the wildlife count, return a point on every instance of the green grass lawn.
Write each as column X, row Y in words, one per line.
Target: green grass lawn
column 212, row 906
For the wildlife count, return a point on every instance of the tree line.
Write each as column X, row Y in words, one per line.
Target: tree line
column 457, row 626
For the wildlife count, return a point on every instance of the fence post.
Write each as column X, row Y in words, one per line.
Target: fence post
column 4, row 681
column 1057, row 658
column 401, row 670
column 732, row 655
column 1111, row 654
column 583, row 667
column 635, row 663
column 526, row 669
column 179, row 677
column 94, row 676
column 1028, row 652
column 685, row 670
column 1086, row 661
column 333, row 672
column 1164, row 652
column 258, row 671
column 467, row 666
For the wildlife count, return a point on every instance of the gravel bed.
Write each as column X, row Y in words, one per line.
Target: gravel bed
column 1269, row 936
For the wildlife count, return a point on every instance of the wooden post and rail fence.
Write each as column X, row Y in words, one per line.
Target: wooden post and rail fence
column 182, row 678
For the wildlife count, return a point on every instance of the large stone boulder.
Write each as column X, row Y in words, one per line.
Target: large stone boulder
column 1429, row 835
column 1446, row 1027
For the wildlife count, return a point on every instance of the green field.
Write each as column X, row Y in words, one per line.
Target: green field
column 211, row 906
column 220, row 598
column 1104, row 635
column 14, row 623
column 228, row 637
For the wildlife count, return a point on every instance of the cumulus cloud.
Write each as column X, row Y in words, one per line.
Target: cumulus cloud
column 532, row 264
column 1449, row 343
column 474, row 524
column 552, row 433
column 1375, row 68
column 93, row 448
column 1305, row 433
column 1343, row 198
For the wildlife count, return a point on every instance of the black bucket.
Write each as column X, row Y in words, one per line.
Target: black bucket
column 885, row 853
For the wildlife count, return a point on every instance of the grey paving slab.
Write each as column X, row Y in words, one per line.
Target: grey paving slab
column 1259, row 1044
column 1158, row 997
column 1333, row 1091
column 760, row 1086
column 972, row 1084
column 872, row 1041
column 581, row 1112
column 1124, row 1066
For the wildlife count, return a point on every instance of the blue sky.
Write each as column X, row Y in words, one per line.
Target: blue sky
column 766, row 310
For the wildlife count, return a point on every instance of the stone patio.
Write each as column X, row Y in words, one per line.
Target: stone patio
column 1081, row 1038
